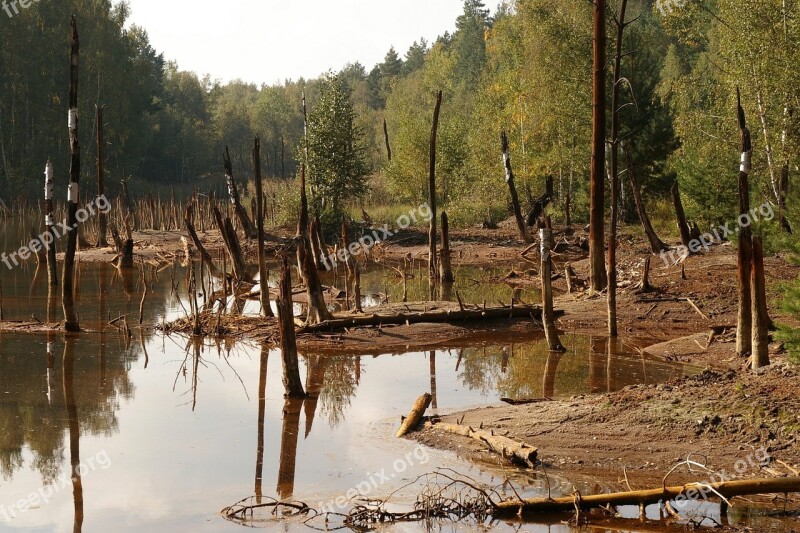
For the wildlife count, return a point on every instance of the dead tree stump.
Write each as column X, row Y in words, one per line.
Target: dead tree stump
column 293, row 387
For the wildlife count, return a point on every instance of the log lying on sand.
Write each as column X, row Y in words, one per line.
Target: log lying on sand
column 436, row 316
column 690, row 491
column 520, row 453
column 415, row 416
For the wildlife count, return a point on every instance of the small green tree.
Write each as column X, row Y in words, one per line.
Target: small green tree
column 337, row 161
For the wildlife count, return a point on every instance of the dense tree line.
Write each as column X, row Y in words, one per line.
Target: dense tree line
column 525, row 68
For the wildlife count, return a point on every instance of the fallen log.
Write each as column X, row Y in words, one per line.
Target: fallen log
column 690, row 491
column 525, row 401
column 415, row 416
column 446, row 316
column 517, row 452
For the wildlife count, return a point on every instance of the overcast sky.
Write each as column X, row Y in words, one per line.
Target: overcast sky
column 267, row 41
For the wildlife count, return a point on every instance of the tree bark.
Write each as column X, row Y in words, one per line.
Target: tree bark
column 759, row 312
column 440, row 316
column 386, row 139
column 598, row 280
column 231, row 244
column 567, row 504
column 548, row 319
column 446, row 267
column 683, row 225
column 614, row 168
column 233, row 193
column 102, row 218
column 656, row 244
column 266, row 306
column 432, row 266
column 523, row 229
column 68, row 277
column 744, row 328
column 49, row 222
column 412, row 421
column 520, row 453
column 293, row 387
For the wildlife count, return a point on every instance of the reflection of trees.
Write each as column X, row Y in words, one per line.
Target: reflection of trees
column 289, row 435
column 74, row 432
column 29, row 419
column 339, row 388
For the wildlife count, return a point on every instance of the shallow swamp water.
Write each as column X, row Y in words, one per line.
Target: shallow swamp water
column 168, row 431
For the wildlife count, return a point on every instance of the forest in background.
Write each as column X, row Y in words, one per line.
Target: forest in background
column 525, row 68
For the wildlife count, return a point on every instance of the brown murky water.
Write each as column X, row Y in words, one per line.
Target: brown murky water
column 167, row 431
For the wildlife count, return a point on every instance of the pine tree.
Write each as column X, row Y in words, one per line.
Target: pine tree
column 337, row 160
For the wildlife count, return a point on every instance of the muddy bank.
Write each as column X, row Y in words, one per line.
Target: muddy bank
column 717, row 418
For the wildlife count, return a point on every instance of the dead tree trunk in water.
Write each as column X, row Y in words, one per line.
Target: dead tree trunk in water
column 759, row 312
column 266, row 307
column 317, row 308
column 432, row 266
column 49, row 223
column 233, row 192
column 656, row 244
column 523, row 229
column 597, row 182
column 102, row 218
column 745, row 319
column 293, row 387
column 614, row 168
column 68, row 277
column 548, row 319
column 683, row 225
column 446, row 266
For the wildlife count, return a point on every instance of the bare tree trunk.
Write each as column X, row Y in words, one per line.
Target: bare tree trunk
column 680, row 214
column 292, row 385
column 231, row 244
column 266, row 306
column 597, row 193
column 614, row 168
column 744, row 345
column 548, row 320
column 446, row 266
column 70, row 314
column 386, row 139
column 432, row 266
column 761, row 321
column 523, row 228
column 49, row 223
column 102, row 218
column 233, row 192
column 656, row 244
column 783, row 186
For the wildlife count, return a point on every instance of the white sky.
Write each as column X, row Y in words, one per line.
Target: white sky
column 268, row 41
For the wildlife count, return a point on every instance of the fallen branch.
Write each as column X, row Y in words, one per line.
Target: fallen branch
column 439, row 316
column 690, row 491
column 415, row 416
column 518, row 452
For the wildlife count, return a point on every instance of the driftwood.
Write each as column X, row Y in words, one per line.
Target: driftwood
column 437, row 316
column 518, row 452
column 414, row 418
column 727, row 489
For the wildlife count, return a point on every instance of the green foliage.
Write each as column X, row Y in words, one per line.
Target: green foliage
column 337, row 164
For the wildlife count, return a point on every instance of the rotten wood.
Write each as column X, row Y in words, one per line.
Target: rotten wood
column 412, row 421
column 520, row 453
